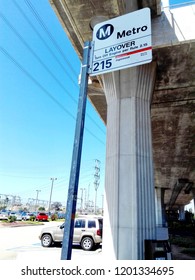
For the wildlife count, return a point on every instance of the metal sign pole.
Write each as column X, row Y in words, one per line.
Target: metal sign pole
column 76, row 158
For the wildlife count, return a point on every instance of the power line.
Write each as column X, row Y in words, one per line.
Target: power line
column 55, row 43
column 43, row 64
column 34, row 54
column 43, row 89
column 18, row 176
column 35, row 81
column 44, row 42
column 37, row 16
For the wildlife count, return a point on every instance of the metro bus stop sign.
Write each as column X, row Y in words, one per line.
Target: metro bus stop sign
column 121, row 42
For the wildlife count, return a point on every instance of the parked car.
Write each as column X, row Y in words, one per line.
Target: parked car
column 61, row 215
column 87, row 233
column 42, row 217
column 28, row 216
column 4, row 216
column 17, row 215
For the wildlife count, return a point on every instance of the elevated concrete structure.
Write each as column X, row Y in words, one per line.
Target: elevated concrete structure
column 129, row 216
column 172, row 119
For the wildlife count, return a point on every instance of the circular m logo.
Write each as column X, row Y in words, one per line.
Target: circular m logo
column 105, row 31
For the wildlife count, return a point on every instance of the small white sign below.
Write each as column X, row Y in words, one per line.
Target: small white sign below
column 122, row 42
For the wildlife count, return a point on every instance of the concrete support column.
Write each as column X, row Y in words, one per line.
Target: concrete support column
column 160, row 207
column 194, row 207
column 129, row 216
column 182, row 213
column 131, row 6
column 193, row 192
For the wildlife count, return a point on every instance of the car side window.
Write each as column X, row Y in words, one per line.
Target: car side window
column 79, row 224
column 91, row 224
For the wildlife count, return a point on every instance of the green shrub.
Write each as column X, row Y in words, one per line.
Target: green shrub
column 12, row 219
column 186, row 242
column 54, row 217
column 189, row 251
column 32, row 218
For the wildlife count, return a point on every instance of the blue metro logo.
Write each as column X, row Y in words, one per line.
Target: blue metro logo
column 105, row 31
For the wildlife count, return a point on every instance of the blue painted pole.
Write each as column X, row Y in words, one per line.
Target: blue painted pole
column 76, row 158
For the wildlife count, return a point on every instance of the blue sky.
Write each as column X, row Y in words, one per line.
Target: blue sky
column 175, row 2
column 39, row 96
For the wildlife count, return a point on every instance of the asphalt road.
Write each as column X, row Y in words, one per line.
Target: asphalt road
column 22, row 243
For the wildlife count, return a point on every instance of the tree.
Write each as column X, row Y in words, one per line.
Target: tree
column 56, row 206
column 41, row 209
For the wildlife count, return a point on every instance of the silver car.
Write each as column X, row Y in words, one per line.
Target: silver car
column 4, row 216
column 17, row 215
column 87, row 233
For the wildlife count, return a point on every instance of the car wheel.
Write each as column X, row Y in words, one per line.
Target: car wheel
column 46, row 240
column 87, row 243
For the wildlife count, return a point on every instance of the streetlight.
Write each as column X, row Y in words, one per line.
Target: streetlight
column 52, row 179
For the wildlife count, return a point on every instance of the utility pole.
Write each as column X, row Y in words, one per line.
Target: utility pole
column 52, row 182
column 85, row 199
column 37, row 199
column 96, row 182
column 82, row 189
column 88, row 197
column 6, row 201
column 102, row 204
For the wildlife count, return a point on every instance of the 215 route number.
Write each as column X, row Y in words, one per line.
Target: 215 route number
column 104, row 64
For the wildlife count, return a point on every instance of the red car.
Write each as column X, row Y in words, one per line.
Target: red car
column 42, row 217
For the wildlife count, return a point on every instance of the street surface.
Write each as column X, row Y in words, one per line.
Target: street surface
column 22, row 243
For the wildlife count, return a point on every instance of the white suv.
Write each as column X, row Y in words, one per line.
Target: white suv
column 87, row 232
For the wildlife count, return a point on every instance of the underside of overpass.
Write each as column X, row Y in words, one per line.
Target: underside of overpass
column 173, row 102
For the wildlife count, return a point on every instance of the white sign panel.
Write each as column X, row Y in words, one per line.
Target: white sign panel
column 122, row 42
